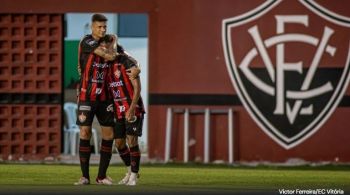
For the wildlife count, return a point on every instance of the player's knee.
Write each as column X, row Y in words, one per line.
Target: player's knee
column 132, row 141
column 107, row 136
column 107, row 133
column 85, row 132
column 85, row 135
column 120, row 144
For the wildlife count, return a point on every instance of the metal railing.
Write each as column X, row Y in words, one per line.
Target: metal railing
column 207, row 112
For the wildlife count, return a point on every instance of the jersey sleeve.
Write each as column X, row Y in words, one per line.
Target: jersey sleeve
column 120, row 49
column 88, row 44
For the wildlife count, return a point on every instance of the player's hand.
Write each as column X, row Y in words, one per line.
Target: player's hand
column 130, row 115
column 133, row 72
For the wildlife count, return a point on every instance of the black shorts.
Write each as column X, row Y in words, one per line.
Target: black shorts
column 102, row 110
column 123, row 128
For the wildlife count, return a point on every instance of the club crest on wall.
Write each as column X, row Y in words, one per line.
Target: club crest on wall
column 289, row 64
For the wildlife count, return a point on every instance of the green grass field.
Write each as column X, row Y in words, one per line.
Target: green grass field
column 176, row 178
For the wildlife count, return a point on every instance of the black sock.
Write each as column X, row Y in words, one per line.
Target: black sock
column 105, row 158
column 125, row 155
column 84, row 155
column 135, row 155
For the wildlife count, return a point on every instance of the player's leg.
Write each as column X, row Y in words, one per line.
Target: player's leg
column 84, row 120
column 135, row 156
column 105, row 155
column 105, row 117
column 133, row 131
column 123, row 149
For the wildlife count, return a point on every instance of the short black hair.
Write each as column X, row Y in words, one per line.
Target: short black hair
column 98, row 18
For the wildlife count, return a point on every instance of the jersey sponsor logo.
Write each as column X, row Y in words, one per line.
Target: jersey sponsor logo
column 120, row 99
column 100, row 75
column 290, row 79
column 99, row 78
column 116, row 94
column 97, row 65
column 87, row 108
column 116, row 84
column 97, row 81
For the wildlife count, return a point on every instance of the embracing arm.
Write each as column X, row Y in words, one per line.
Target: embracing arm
column 133, row 72
column 108, row 50
column 137, row 90
column 104, row 53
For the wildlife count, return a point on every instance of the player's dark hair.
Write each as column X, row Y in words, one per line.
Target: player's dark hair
column 98, row 18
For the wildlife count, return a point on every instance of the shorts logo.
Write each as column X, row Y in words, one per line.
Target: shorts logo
column 85, row 108
column 109, row 108
column 291, row 80
column 82, row 117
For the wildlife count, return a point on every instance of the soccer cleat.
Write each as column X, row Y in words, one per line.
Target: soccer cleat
column 82, row 181
column 105, row 181
column 133, row 179
column 125, row 179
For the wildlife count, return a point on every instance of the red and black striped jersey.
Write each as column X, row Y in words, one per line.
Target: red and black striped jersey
column 121, row 87
column 93, row 70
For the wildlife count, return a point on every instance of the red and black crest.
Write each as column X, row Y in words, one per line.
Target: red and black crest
column 289, row 63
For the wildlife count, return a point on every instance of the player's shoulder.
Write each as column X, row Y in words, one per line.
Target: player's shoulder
column 88, row 40
column 120, row 49
column 86, row 37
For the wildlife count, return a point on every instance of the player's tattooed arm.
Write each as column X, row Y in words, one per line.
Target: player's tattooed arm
column 107, row 49
column 102, row 51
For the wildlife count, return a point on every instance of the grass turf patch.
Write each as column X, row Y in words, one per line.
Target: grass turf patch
column 175, row 177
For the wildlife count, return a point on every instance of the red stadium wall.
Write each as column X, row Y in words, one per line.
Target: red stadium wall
column 30, row 86
column 191, row 61
column 187, row 69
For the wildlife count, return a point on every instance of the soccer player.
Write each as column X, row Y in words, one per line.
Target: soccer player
column 129, row 111
column 94, row 98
